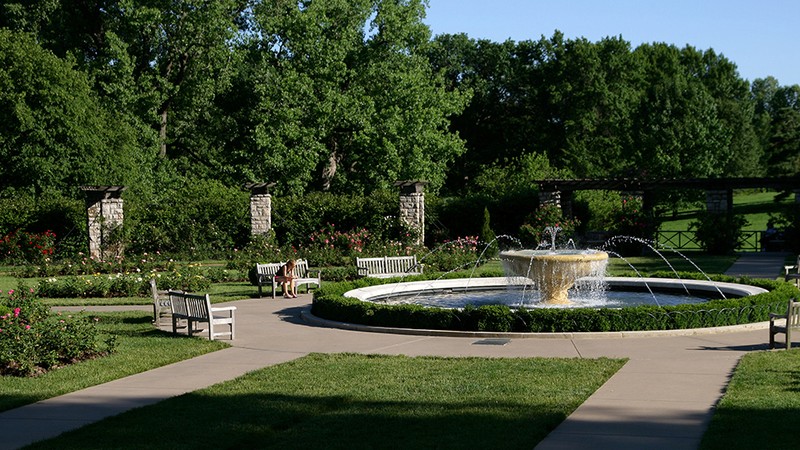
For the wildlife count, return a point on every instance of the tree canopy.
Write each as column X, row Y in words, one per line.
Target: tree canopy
column 351, row 95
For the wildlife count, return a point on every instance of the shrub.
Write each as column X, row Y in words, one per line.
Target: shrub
column 533, row 232
column 488, row 236
column 32, row 340
column 22, row 247
column 450, row 255
column 719, row 234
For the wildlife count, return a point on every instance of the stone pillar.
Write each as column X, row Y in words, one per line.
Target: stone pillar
column 719, row 201
column 412, row 206
column 104, row 211
column 260, row 208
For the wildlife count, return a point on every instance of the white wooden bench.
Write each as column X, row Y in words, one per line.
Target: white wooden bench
column 161, row 307
column 793, row 269
column 388, row 266
column 790, row 321
column 266, row 274
column 196, row 309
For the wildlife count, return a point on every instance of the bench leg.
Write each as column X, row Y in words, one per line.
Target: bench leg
column 259, row 291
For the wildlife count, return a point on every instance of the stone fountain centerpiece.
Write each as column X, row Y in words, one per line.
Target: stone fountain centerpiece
column 554, row 271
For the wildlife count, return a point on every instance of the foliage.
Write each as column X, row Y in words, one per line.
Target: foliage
column 190, row 278
column 538, row 226
column 33, row 341
column 631, row 219
column 329, row 303
column 50, row 212
column 56, row 134
column 719, row 234
column 137, row 348
column 461, row 253
column 488, row 237
column 342, row 98
column 210, row 219
column 24, row 247
column 789, row 221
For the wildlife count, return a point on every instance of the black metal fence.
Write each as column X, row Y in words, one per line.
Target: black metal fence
column 685, row 240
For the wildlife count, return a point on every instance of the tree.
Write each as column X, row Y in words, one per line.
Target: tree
column 344, row 101
column 55, row 133
column 784, row 144
column 678, row 132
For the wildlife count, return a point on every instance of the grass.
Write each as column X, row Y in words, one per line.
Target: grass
column 648, row 264
column 140, row 348
column 348, row 401
column 754, row 206
column 760, row 406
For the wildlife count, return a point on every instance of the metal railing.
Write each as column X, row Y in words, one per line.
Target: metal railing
column 686, row 240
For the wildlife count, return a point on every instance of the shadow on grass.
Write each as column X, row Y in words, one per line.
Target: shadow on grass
column 307, row 422
column 751, row 428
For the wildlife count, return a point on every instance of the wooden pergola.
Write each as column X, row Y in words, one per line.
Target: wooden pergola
column 719, row 191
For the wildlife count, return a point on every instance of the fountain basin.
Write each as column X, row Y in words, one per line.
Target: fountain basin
column 554, row 271
column 709, row 289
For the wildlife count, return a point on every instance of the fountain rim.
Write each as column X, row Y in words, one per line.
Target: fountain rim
column 413, row 287
column 565, row 254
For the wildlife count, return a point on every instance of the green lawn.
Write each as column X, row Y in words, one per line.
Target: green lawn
column 761, row 405
column 347, row 401
column 754, row 206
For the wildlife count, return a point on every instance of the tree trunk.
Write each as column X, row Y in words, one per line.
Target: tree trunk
column 162, row 132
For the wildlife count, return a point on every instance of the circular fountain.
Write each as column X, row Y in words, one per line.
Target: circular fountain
column 554, row 272
column 539, row 280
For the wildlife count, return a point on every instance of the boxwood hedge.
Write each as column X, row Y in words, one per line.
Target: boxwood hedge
column 330, row 303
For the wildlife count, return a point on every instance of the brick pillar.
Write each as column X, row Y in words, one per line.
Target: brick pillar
column 412, row 206
column 104, row 211
column 719, row 201
column 260, row 208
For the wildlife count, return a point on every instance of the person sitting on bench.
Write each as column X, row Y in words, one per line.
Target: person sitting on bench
column 286, row 278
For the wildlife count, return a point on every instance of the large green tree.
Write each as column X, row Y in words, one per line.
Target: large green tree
column 55, row 133
column 342, row 98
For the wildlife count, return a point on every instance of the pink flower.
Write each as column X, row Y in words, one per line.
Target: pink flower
column 27, row 327
column 16, row 312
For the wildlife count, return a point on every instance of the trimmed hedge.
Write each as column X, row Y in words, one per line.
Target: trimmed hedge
column 330, row 303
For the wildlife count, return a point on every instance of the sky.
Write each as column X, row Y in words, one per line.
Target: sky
column 761, row 37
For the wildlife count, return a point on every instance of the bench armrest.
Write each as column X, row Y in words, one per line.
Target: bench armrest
column 363, row 271
column 224, row 308
column 773, row 316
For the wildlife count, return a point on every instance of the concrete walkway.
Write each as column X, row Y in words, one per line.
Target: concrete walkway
column 663, row 398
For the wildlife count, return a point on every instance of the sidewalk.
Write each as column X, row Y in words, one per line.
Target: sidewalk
column 662, row 398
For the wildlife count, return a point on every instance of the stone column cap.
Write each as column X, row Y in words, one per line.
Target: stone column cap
column 258, row 188
column 103, row 192
column 410, row 186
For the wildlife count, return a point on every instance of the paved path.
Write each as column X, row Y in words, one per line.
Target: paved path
column 662, row 398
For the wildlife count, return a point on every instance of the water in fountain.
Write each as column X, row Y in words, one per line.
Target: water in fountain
column 584, row 287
